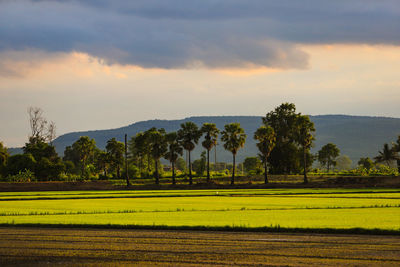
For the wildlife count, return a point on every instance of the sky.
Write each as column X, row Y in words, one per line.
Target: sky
column 96, row 64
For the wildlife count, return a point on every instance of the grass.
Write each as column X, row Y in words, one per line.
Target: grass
column 338, row 209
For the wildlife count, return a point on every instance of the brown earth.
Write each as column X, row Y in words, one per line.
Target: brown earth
column 113, row 247
column 55, row 186
column 242, row 182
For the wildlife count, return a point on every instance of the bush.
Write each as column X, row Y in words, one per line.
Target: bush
column 90, row 171
column 378, row 170
column 22, row 176
column 68, row 177
column 133, row 172
column 46, row 170
column 20, row 163
column 224, row 173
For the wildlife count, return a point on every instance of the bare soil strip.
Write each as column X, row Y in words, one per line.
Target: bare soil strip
column 72, row 247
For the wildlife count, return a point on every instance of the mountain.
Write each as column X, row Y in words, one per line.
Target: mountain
column 356, row 136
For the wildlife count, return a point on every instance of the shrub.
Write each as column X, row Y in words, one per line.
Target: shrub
column 22, row 176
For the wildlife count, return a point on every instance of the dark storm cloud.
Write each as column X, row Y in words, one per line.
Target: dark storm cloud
column 182, row 33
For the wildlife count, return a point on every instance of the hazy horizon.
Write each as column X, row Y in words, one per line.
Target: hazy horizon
column 196, row 116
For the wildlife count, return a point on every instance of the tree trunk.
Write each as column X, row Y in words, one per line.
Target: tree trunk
column 126, row 162
column 265, row 171
column 215, row 158
column 208, row 165
column 173, row 173
column 156, row 171
column 233, row 172
column 190, row 170
column 83, row 168
column 118, row 172
column 148, row 166
column 140, row 166
column 305, row 165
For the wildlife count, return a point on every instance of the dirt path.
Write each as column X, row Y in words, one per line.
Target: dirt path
column 39, row 246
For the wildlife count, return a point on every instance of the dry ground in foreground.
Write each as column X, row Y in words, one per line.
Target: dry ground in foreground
column 40, row 246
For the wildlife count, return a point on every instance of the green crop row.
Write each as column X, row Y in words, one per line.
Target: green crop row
column 387, row 218
column 289, row 208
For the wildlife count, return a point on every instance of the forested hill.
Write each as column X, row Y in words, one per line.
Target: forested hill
column 356, row 136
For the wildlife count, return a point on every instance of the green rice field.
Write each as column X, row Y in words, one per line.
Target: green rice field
column 245, row 208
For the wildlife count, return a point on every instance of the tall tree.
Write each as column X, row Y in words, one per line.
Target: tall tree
column 189, row 135
column 72, row 156
column 48, row 163
column 41, row 129
column 103, row 162
column 37, row 123
column 343, row 162
column 138, row 149
column 116, row 150
column 328, row 154
column 284, row 156
column 84, row 148
column 387, row 155
column 39, row 149
column 51, row 132
column 266, row 137
column 126, row 161
column 305, row 138
column 3, row 158
column 234, row 138
column 158, row 148
column 210, row 140
column 174, row 151
column 147, row 148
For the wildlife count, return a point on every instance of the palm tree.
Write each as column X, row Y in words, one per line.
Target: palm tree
column 387, row 155
column 210, row 140
column 234, row 138
column 158, row 148
column 189, row 136
column 305, row 138
column 266, row 137
column 174, row 151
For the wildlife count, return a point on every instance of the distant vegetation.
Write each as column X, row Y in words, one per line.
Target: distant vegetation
column 284, row 140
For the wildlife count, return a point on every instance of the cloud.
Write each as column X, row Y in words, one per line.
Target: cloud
column 192, row 34
column 17, row 64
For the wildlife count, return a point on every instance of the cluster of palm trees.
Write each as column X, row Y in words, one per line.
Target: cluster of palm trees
column 156, row 144
column 390, row 154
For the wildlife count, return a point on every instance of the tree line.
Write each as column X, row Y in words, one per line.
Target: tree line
column 284, row 140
